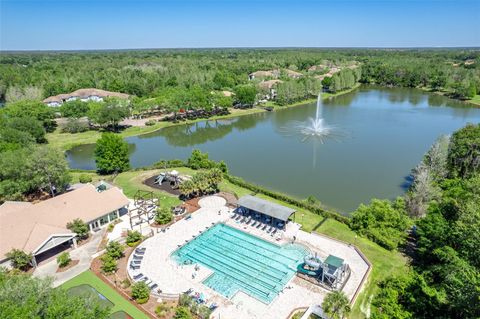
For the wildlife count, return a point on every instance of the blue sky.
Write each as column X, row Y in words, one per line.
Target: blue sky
column 123, row 24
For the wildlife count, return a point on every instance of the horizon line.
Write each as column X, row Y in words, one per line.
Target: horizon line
column 245, row 47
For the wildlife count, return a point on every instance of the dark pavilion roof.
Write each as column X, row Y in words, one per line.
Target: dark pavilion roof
column 266, row 207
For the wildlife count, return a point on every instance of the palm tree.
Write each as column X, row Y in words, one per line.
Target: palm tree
column 187, row 188
column 336, row 305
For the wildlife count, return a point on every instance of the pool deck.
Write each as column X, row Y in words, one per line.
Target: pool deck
column 173, row 278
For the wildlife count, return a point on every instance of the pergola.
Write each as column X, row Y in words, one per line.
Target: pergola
column 145, row 206
column 261, row 206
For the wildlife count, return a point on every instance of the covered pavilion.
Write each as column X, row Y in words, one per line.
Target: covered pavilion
column 268, row 212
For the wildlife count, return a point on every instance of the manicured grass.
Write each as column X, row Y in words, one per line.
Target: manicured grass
column 95, row 177
column 475, row 100
column 132, row 181
column 119, row 302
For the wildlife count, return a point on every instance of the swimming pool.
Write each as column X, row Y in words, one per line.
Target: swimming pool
column 240, row 261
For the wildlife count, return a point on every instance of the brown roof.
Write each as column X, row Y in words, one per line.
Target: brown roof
column 293, row 74
column 264, row 74
column 84, row 93
column 317, row 67
column 269, row 84
column 26, row 226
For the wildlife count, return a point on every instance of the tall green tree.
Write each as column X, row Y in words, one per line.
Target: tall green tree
column 246, row 94
column 464, row 152
column 382, row 221
column 31, row 109
column 111, row 154
column 49, row 170
column 32, row 169
column 74, row 109
column 23, row 296
column 108, row 113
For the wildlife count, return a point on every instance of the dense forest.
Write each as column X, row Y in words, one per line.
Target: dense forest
column 437, row 225
column 191, row 75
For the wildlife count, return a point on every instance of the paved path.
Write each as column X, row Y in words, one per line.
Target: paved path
column 83, row 254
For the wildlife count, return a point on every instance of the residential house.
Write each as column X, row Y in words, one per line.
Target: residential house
column 269, row 88
column 84, row 95
column 264, row 74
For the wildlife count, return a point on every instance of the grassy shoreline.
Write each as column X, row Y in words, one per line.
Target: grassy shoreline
column 475, row 100
column 67, row 141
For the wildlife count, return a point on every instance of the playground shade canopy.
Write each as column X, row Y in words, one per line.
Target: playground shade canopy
column 265, row 207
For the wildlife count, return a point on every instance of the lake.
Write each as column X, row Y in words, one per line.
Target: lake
column 386, row 133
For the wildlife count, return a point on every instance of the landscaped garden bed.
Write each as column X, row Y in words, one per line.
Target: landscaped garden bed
column 72, row 264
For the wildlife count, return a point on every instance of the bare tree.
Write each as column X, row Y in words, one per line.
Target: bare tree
column 431, row 169
column 436, row 157
column 15, row 93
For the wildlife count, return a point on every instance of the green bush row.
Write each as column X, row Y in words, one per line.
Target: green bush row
column 290, row 200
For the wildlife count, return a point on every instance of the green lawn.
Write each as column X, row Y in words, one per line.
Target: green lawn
column 475, row 100
column 132, row 181
column 119, row 302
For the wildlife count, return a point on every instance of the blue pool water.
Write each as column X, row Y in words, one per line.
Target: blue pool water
column 240, row 261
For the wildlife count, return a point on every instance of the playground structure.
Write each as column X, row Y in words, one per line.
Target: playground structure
column 172, row 177
column 145, row 207
column 332, row 273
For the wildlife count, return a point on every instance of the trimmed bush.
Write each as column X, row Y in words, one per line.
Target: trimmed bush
column 75, row 126
column 163, row 216
column 63, row 259
column 150, row 122
column 163, row 310
column 109, row 264
column 20, row 259
column 182, row 313
column 85, row 178
column 133, row 238
column 140, row 292
column 115, row 250
column 125, row 283
column 169, row 164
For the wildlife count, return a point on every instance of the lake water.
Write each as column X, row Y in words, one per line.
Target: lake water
column 387, row 131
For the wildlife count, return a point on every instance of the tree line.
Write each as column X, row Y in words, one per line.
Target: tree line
column 179, row 77
column 28, row 166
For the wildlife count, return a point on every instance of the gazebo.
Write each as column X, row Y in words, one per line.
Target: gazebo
column 272, row 213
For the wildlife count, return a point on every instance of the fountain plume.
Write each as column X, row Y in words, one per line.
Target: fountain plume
column 314, row 127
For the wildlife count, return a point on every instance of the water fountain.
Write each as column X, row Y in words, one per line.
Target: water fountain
column 314, row 127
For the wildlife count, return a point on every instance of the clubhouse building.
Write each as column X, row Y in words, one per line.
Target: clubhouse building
column 41, row 228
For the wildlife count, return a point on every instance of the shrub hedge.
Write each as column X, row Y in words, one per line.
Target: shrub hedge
column 285, row 198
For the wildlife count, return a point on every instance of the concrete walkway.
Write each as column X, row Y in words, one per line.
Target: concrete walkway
column 83, row 253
